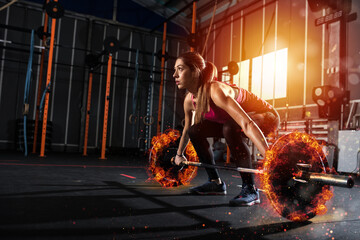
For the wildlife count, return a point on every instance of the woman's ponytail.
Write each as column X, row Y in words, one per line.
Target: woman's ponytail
column 207, row 75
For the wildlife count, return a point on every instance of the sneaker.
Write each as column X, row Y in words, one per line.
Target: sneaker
column 248, row 196
column 209, row 188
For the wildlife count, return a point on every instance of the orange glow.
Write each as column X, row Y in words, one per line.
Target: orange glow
column 271, row 82
column 295, row 200
column 168, row 177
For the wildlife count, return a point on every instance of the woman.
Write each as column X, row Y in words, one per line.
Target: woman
column 225, row 111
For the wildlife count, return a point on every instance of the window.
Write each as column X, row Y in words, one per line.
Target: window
column 225, row 75
column 241, row 79
column 269, row 75
column 270, row 82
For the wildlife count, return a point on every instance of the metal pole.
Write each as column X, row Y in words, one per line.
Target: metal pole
column 162, row 80
column 46, row 20
column 115, row 10
column 88, row 113
column 193, row 25
column 48, row 79
column 106, row 108
column 85, row 88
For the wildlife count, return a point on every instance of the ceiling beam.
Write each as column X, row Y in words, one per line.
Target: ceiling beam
column 164, row 11
column 174, row 15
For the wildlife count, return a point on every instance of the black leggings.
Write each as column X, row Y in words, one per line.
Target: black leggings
column 235, row 139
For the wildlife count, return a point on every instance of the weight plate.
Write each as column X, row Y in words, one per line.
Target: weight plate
column 40, row 32
column 54, row 9
column 294, row 200
column 111, row 44
column 159, row 55
column 163, row 148
column 233, row 68
column 92, row 60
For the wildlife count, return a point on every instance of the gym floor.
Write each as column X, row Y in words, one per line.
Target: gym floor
column 67, row 196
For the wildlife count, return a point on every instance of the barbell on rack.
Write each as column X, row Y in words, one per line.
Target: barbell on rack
column 295, row 175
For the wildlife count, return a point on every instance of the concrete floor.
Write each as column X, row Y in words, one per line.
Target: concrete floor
column 67, row 196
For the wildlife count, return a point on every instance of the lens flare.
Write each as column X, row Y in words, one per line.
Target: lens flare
column 160, row 153
column 297, row 201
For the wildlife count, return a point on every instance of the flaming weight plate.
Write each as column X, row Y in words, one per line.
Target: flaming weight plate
column 163, row 148
column 296, row 201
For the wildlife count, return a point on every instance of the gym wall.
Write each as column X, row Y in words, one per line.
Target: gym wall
column 245, row 32
column 238, row 34
column 76, row 36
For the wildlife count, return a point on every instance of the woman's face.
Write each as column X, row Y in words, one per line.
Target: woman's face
column 184, row 77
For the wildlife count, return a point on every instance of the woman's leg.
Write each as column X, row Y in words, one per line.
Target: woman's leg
column 198, row 134
column 240, row 151
column 236, row 140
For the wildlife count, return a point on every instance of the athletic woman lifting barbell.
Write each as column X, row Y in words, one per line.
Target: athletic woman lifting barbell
column 221, row 110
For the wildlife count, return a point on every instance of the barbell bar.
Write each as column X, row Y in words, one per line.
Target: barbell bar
column 237, row 169
column 301, row 176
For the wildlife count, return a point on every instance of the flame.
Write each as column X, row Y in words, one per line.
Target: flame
column 296, row 201
column 170, row 177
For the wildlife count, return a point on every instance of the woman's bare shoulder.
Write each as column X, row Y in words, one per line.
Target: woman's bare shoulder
column 220, row 87
column 188, row 97
column 188, row 102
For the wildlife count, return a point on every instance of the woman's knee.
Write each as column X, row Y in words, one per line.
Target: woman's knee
column 271, row 123
column 230, row 128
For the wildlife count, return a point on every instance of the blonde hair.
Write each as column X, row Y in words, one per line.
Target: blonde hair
column 207, row 73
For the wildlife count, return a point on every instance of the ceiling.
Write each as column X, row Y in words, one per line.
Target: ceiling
column 151, row 14
column 180, row 12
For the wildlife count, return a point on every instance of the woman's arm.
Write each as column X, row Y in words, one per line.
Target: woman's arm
column 184, row 140
column 224, row 99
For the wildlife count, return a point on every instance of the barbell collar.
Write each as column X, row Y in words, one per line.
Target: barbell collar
column 304, row 165
column 329, row 179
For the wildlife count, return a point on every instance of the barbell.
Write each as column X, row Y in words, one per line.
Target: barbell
column 295, row 175
column 301, row 176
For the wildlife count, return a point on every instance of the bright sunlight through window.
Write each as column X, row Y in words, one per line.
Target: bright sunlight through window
column 241, row 79
column 271, row 82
